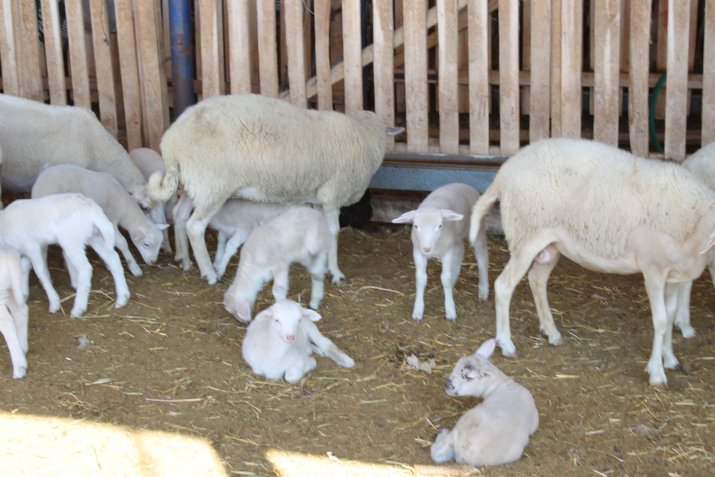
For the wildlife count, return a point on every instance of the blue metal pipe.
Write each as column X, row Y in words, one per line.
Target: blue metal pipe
column 182, row 55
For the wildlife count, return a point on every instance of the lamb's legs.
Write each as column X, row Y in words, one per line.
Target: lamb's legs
column 10, row 332
column 538, row 279
column 75, row 256
column 655, row 287
column 182, row 212
column 39, row 265
column 420, row 284
column 682, row 310
column 325, row 346
column 111, row 259
column 280, row 283
column 121, row 243
column 20, row 315
column 317, row 273
column 481, row 253
column 442, row 449
column 196, row 228
column 231, row 247
column 333, row 219
column 451, row 265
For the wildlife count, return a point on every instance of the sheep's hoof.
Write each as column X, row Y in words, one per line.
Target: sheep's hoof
column 451, row 317
column 556, row 341
column 122, row 300
column 77, row 312
column 136, row 271
column 687, row 332
column 54, row 307
column 417, row 317
column 19, row 373
column 660, row 385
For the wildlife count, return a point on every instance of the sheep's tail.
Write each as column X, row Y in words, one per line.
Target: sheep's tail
column 480, row 209
column 160, row 188
column 106, row 229
column 325, row 347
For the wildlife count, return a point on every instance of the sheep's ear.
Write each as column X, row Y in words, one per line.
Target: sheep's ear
column 407, row 217
column 162, row 226
column 311, row 315
column 393, row 131
column 450, row 216
column 487, row 348
column 710, row 243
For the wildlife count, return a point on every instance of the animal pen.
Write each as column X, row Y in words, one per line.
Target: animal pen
column 470, row 80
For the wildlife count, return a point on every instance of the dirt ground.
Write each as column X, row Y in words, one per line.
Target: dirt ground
column 159, row 387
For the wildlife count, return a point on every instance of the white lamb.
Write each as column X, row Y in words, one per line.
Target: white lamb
column 439, row 228
column 280, row 340
column 13, row 310
column 299, row 235
column 35, row 135
column 608, row 211
column 234, row 222
column 72, row 221
column 266, row 149
column 149, row 161
column 497, row 430
column 116, row 203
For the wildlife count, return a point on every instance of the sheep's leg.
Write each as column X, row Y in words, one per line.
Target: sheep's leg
column 418, row 309
column 451, row 265
column 317, row 271
column 295, row 372
column 196, row 229
column 711, row 265
column 76, row 257
column 280, row 282
column 71, row 270
column 39, row 265
column 682, row 310
column 673, row 293
column 157, row 214
column 220, row 248
column 20, row 315
column 25, row 267
column 333, row 219
column 121, row 243
column 442, row 449
column 230, row 249
column 655, row 287
column 481, row 254
column 182, row 212
column 538, row 279
column 325, row 346
column 10, row 332
column 111, row 259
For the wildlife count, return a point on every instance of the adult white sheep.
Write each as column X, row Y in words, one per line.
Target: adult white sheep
column 266, row 149
column 116, row 203
column 608, row 211
column 13, row 310
column 497, row 430
column 72, row 221
column 35, row 135
column 298, row 235
column 280, row 340
column 439, row 228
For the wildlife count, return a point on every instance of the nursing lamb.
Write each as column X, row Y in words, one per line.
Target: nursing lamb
column 35, row 135
column 280, row 340
column 497, row 430
column 439, row 228
column 72, row 221
column 299, row 235
column 265, row 149
column 116, row 203
column 13, row 310
column 608, row 211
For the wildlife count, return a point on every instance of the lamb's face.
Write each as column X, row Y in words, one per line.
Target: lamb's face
column 427, row 227
column 287, row 316
column 148, row 242
column 471, row 377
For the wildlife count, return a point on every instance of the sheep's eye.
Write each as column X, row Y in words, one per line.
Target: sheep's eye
column 439, row 226
column 415, row 226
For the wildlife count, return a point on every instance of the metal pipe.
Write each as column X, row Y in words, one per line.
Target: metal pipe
column 182, row 55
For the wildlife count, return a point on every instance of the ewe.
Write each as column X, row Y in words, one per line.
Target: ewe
column 265, row 149
column 439, row 228
column 280, row 340
column 608, row 211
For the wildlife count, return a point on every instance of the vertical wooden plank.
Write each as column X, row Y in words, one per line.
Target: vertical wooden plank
column 708, row 121
column 79, row 70
column 8, row 50
column 352, row 52
column 640, row 26
column 677, row 90
column 556, row 65
column 478, row 29
column 607, row 68
column 53, row 52
column 384, row 70
column 131, row 95
column 28, row 51
column 239, row 46
column 322, row 54
column 267, row 48
column 509, row 76
column 152, row 81
column 539, row 110
column 571, row 60
column 415, row 18
column 448, row 88
column 296, row 59
column 208, row 41
column 103, row 65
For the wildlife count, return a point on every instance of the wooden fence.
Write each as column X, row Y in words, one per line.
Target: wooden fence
column 468, row 79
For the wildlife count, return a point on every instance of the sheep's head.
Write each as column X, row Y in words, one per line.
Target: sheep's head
column 237, row 305
column 427, row 225
column 148, row 241
column 286, row 317
column 473, row 375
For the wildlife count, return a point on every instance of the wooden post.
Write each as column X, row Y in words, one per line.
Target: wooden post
column 352, row 50
column 640, row 23
column 539, row 110
column 104, row 70
column 415, row 14
column 571, row 62
column 677, row 91
column 296, row 59
column 607, row 71
column 131, row 95
column 8, row 50
column 384, row 70
column 53, row 52
column 509, row 76
column 28, row 51
column 708, row 120
column 478, row 20
column 448, row 86
column 267, row 48
column 208, row 41
column 239, row 36
column 322, row 54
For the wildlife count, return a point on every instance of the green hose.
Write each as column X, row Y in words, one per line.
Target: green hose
column 651, row 113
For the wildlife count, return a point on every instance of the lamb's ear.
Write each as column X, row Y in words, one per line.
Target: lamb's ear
column 487, row 348
column 450, row 216
column 162, row 226
column 710, row 243
column 311, row 315
column 405, row 218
